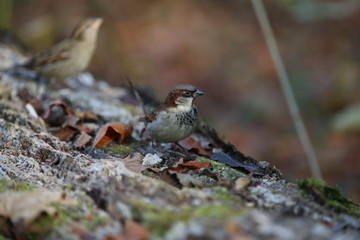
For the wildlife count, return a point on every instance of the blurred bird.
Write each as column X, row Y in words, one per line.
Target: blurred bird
column 70, row 56
column 176, row 118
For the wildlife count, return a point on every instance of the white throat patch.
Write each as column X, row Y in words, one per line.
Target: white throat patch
column 184, row 104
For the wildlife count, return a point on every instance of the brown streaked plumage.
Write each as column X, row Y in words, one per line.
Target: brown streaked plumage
column 176, row 118
column 70, row 56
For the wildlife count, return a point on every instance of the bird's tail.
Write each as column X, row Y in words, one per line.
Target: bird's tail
column 19, row 70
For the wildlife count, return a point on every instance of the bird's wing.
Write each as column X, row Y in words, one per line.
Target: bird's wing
column 149, row 117
column 58, row 52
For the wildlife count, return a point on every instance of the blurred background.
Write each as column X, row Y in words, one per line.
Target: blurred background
column 218, row 47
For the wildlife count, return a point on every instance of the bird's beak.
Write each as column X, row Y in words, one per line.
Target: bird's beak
column 198, row 93
column 97, row 22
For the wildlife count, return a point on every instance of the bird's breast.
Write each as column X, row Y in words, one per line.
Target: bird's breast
column 172, row 126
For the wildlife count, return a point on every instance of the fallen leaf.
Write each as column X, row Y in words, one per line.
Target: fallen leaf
column 110, row 132
column 134, row 163
column 65, row 134
column 71, row 121
column 196, row 164
column 234, row 230
column 228, row 160
column 27, row 206
column 57, row 113
column 242, row 182
column 132, row 231
column 181, row 161
column 180, row 166
column 88, row 116
column 348, row 119
column 80, row 231
column 191, row 144
column 234, row 155
column 82, row 139
column 88, row 128
column 66, row 108
column 170, row 179
column 135, row 231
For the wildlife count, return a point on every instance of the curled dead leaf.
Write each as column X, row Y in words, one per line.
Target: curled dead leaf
column 191, row 144
column 180, row 166
column 88, row 116
column 132, row 231
column 82, row 139
column 134, row 162
column 67, row 109
column 241, row 183
column 111, row 132
column 65, row 133
column 80, row 231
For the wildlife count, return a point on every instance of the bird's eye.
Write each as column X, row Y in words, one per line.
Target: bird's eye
column 187, row 93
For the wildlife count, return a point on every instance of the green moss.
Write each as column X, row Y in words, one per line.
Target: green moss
column 67, row 187
column 68, row 214
column 6, row 185
column 119, row 148
column 217, row 211
column 213, row 163
column 219, row 164
column 223, row 171
column 223, row 194
column 327, row 196
column 159, row 219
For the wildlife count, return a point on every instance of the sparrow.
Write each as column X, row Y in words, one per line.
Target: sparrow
column 70, row 56
column 175, row 118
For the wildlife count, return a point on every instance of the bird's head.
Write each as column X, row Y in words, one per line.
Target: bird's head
column 181, row 97
column 87, row 30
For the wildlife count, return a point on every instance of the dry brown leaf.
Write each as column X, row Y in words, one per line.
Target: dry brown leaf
column 136, row 231
column 65, row 134
column 191, row 144
column 170, row 179
column 80, row 231
column 196, row 164
column 82, row 139
column 234, row 230
column 190, row 165
column 134, row 163
column 88, row 128
column 27, row 206
column 242, row 182
column 132, row 231
column 67, row 110
column 88, row 116
column 181, row 161
column 110, row 132
column 72, row 121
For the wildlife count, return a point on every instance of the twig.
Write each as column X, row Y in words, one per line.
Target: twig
column 286, row 88
column 137, row 95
